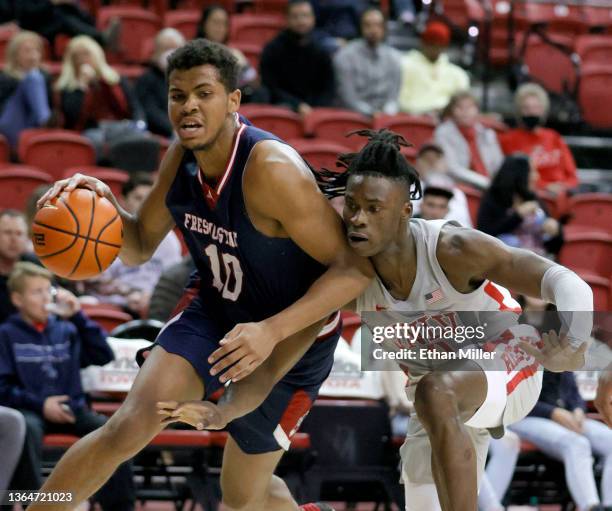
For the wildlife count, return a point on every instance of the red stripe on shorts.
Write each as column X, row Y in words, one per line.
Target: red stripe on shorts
column 522, row 375
column 188, row 296
column 297, row 409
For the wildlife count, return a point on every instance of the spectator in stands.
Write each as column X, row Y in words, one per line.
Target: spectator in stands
column 368, row 71
column 471, row 149
column 339, row 18
column 431, row 164
column 131, row 286
column 511, row 211
column 170, row 288
column 13, row 248
column 437, row 193
column 151, row 87
column 557, row 426
column 25, row 91
column 429, row 79
column 41, row 355
column 214, row 26
column 503, row 454
column 95, row 98
column 12, row 436
column 295, row 67
column 553, row 159
column 52, row 17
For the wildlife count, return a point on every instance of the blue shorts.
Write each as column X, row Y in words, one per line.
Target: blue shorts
column 194, row 335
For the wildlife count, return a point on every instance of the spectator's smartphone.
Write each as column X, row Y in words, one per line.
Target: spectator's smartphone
column 67, row 409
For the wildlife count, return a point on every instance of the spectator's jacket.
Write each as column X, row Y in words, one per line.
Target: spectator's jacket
column 9, row 84
column 152, row 93
column 559, row 390
column 37, row 364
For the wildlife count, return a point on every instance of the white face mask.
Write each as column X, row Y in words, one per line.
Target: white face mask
column 162, row 60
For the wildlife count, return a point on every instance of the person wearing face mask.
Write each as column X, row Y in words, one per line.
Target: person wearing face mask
column 553, row 160
column 25, row 89
column 151, row 88
column 295, row 66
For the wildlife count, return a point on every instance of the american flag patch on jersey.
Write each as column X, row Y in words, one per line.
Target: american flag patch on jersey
column 434, row 296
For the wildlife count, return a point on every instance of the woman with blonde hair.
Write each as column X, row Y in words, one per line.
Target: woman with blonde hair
column 24, row 87
column 93, row 97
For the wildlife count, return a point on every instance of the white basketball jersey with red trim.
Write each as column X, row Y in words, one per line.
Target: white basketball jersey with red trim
column 431, row 290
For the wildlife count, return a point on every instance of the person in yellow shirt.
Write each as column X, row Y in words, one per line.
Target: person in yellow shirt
column 429, row 79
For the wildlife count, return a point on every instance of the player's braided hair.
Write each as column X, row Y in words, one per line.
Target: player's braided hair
column 381, row 156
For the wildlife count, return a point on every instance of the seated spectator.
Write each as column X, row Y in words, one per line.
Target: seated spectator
column 471, row 149
column 510, row 210
column 431, row 164
column 13, row 248
column 151, row 87
column 503, row 454
column 94, row 97
column 295, row 67
column 437, row 194
column 50, row 18
column 546, row 148
column 557, row 426
column 25, row 89
column 368, row 71
column 214, row 26
column 41, row 355
column 428, row 77
column 12, row 436
column 170, row 288
column 339, row 18
column 131, row 286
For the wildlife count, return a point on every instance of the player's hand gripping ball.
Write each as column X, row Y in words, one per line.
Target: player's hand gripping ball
column 77, row 234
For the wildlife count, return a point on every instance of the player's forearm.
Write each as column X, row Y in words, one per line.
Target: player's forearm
column 132, row 252
column 338, row 286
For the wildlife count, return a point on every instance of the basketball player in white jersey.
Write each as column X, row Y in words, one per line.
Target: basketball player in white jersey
column 434, row 267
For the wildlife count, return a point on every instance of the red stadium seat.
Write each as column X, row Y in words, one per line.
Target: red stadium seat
column 55, row 150
column 559, row 18
column 184, row 20
column 601, row 290
column 473, row 197
column 416, row 129
column 283, row 122
column 549, row 65
column 17, row 182
column 599, row 17
column 334, row 124
column 255, row 28
column 462, row 13
column 5, row 150
column 592, row 211
column 588, row 251
column 251, row 51
column 319, row 153
column 593, row 92
column 106, row 317
column 138, row 25
column 115, row 178
column 491, row 121
column 270, row 6
column 594, row 49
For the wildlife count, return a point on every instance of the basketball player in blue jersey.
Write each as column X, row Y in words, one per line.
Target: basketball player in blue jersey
column 273, row 266
column 428, row 268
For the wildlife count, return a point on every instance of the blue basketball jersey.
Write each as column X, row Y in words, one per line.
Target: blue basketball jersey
column 244, row 274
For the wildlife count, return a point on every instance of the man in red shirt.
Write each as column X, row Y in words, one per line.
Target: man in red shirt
column 546, row 148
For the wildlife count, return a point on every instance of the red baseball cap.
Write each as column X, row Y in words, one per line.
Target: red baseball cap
column 436, row 33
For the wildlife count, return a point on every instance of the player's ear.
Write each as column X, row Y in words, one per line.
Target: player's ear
column 407, row 210
column 233, row 101
column 17, row 299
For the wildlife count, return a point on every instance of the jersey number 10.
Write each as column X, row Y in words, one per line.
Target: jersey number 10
column 232, row 267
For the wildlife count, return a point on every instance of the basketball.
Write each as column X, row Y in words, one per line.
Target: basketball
column 78, row 235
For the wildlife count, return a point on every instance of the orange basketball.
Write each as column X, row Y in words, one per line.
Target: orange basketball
column 78, row 235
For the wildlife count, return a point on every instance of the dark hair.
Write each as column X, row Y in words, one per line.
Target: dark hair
column 292, row 3
column 371, row 8
column 511, row 179
column 380, row 157
column 430, row 147
column 206, row 13
column 455, row 99
column 200, row 52
column 438, row 192
column 12, row 213
column 136, row 179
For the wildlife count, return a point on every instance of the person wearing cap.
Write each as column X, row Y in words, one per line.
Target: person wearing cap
column 429, row 79
column 433, row 168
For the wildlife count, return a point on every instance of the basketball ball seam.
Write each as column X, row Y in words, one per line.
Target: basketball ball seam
column 64, row 231
column 91, row 219
column 76, row 236
column 97, row 240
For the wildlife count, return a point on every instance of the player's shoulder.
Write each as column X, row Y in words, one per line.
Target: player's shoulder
column 171, row 160
column 460, row 247
column 272, row 160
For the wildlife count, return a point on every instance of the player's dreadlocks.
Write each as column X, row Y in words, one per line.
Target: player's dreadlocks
column 381, row 156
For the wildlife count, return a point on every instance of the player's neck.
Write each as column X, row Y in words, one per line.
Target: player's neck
column 396, row 265
column 214, row 159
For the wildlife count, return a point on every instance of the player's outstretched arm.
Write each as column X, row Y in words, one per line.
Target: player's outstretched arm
column 481, row 257
column 281, row 192
column 144, row 230
column 241, row 398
